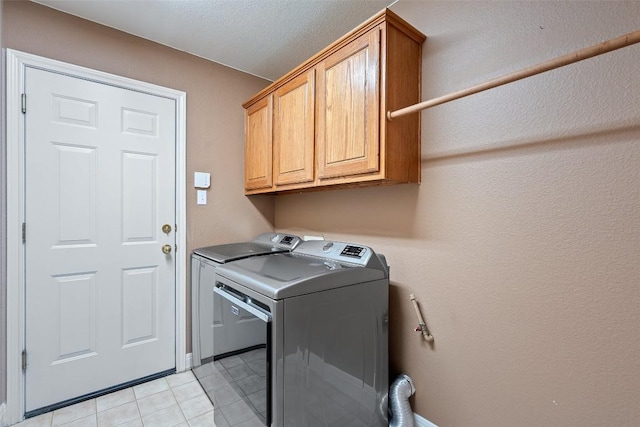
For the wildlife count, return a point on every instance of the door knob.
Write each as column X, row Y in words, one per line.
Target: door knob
column 166, row 249
column 166, row 229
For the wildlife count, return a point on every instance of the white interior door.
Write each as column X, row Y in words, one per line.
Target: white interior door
column 100, row 183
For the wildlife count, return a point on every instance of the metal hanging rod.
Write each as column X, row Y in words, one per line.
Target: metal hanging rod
column 561, row 61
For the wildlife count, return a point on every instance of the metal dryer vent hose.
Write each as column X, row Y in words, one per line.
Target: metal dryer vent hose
column 399, row 393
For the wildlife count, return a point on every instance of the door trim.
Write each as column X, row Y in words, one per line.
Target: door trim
column 16, row 64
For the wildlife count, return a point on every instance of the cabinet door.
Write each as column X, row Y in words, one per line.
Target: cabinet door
column 293, row 131
column 348, row 109
column 258, row 149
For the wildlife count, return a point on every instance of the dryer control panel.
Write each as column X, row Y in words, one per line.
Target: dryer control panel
column 278, row 240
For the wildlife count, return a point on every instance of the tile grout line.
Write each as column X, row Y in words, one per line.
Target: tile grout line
column 178, row 403
column 137, row 407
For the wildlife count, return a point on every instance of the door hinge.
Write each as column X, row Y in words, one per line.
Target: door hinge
column 24, row 103
column 24, row 360
column 24, row 232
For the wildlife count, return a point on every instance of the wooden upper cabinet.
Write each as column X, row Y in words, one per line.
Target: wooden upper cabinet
column 293, row 131
column 328, row 121
column 348, row 99
column 258, row 147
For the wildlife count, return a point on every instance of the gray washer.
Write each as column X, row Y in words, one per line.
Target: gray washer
column 325, row 307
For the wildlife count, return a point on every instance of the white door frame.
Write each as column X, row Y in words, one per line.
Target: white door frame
column 16, row 63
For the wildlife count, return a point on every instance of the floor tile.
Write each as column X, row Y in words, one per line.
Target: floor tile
column 112, row 400
column 204, row 370
column 118, row 415
column 151, row 387
column 211, row 381
column 206, row 420
column 252, row 384
column 237, row 412
column 230, row 362
column 89, row 421
column 181, row 378
column 167, row 417
column 196, row 406
column 155, row 402
column 226, row 395
column 219, row 420
column 43, row 420
column 187, row 391
column 239, row 372
column 74, row 412
column 134, row 423
column 254, row 422
column 259, row 400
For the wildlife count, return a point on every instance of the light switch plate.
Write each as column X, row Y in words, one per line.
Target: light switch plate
column 202, row 197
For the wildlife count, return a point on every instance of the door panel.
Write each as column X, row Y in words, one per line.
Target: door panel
column 293, row 131
column 140, row 223
column 258, row 145
column 100, row 182
column 140, row 305
column 77, row 299
column 76, row 191
column 348, row 99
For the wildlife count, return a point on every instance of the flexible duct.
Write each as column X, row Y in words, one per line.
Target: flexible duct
column 399, row 393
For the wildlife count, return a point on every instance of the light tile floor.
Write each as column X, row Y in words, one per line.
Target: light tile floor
column 176, row 400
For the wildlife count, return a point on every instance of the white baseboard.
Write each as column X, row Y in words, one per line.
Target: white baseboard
column 422, row 422
column 188, row 361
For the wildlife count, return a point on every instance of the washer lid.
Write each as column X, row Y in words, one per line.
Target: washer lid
column 264, row 244
column 288, row 275
column 234, row 251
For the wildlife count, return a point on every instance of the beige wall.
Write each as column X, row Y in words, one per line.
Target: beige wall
column 215, row 93
column 522, row 243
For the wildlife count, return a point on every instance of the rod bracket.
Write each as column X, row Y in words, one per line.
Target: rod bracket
column 422, row 326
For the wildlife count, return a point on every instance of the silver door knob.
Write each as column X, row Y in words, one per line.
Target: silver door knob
column 166, row 249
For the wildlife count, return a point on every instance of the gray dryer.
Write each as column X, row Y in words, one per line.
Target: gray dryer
column 203, row 264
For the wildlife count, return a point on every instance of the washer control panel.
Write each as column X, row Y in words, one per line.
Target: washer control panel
column 335, row 251
column 353, row 251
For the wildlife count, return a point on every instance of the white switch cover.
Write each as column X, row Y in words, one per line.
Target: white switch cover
column 202, row 180
column 202, row 197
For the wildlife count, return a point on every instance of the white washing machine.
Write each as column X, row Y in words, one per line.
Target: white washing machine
column 203, row 264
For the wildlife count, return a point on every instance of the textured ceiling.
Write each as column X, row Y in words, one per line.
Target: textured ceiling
column 266, row 38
